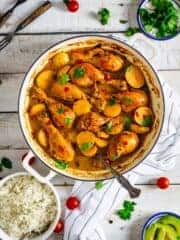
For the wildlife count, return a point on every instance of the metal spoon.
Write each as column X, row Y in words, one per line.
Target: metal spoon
column 133, row 191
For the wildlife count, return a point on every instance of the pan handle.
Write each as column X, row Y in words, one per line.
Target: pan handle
column 33, row 172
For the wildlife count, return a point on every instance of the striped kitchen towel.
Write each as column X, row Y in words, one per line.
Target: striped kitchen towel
column 83, row 223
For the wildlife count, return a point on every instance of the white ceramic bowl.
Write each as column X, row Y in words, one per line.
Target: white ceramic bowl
column 45, row 180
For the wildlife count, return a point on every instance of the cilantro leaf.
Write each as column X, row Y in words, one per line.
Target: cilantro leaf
column 109, row 126
column 79, row 72
column 6, row 162
column 86, row 146
column 128, row 205
column 68, row 121
column 60, row 110
column 124, row 214
column 147, row 121
column 104, row 15
column 131, row 31
column 99, row 185
column 112, row 101
column 64, row 78
column 61, row 164
column 127, row 122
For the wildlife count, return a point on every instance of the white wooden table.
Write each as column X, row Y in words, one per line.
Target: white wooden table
column 53, row 26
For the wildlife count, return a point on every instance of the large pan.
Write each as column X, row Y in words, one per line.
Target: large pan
column 133, row 56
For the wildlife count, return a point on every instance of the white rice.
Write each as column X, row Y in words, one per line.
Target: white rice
column 27, row 207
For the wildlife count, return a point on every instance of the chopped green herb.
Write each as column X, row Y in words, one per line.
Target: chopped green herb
column 61, row 164
column 6, row 162
column 86, row 146
column 64, row 78
column 68, row 121
column 115, row 157
column 123, row 21
column 147, row 121
column 131, row 31
column 127, row 122
column 129, row 205
column 163, row 18
column 99, row 185
column 126, row 212
column 109, row 126
column 79, row 72
column 112, row 101
column 104, row 15
column 60, row 110
column 127, row 100
column 123, row 214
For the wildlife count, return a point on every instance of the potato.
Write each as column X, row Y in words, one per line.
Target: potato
column 81, row 107
column 60, row 59
column 116, row 129
column 112, row 110
column 44, row 79
column 42, row 138
column 134, row 76
column 36, row 109
column 72, row 135
column 63, row 70
column 143, row 116
column 139, row 129
column 101, row 143
column 85, row 137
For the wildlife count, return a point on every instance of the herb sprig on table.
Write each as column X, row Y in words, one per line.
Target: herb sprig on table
column 126, row 212
column 163, row 17
column 5, row 163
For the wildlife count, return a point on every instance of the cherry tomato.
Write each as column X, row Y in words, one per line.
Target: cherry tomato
column 72, row 5
column 31, row 161
column 59, row 227
column 163, row 182
column 72, row 203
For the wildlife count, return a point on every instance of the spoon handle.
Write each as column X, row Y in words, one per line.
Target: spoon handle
column 133, row 191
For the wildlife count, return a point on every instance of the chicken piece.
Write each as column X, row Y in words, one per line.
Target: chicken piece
column 91, row 121
column 85, row 74
column 62, row 115
column 59, row 147
column 118, row 83
column 130, row 100
column 122, row 144
column 109, row 62
column 68, row 92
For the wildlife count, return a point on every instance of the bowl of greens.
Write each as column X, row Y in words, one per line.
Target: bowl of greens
column 159, row 19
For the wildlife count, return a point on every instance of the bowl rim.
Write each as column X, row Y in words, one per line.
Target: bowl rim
column 143, row 29
column 100, row 37
column 52, row 226
column 153, row 218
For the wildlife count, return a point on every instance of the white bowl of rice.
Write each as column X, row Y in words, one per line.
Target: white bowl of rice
column 29, row 209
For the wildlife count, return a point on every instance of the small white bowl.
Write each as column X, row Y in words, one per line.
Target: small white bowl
column 51, row 228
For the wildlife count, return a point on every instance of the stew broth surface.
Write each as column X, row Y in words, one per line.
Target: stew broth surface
column 87, row 104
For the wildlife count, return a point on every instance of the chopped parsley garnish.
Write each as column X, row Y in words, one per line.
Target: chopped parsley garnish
column 109, row 126
column 86, row 146
column 99, row 185
column 68, row 121
column 127, row 122
column 127, row 100
column 163, row 18
column 79, row 72
column 6, row 163
column 147, row 121
column 123, row 21
column 112, row 101
column 61, row 164
column 126, row 212
column 104, row 15
column 131, row 31
column 60, row 110
column 64, row 78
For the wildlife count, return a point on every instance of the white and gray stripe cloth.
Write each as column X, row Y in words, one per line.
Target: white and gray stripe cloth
column 83, row 223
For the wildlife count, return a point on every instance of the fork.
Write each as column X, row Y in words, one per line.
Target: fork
column 39, row 11
column 7, row 14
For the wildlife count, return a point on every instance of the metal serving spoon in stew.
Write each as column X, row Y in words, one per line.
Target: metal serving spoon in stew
column 133, row 191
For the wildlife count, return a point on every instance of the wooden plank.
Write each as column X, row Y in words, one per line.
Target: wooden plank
column 131, row 229
column 9, row 89
column 16, row 156
column 58, row 19
column 24, row 49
